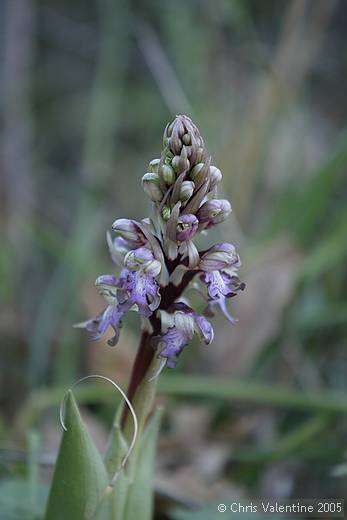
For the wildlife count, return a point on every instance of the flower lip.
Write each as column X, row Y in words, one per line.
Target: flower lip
column 111, row 316
column 172, row 344
column 220, row 286
column 140, row 290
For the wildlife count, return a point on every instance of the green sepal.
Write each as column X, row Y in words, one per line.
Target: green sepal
column 115, row 453
column 80, row 476
column 140, row 492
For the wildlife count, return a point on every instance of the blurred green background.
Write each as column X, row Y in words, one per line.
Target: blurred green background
column 86, row 91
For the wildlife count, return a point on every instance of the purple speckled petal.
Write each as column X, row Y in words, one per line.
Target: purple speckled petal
column 111, row 316
column 204, row 327
column 217, row 284
column 222, row 304
column 138, row 288
column 173, row 342
column 222, row 285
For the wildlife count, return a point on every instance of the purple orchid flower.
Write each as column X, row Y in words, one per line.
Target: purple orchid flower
column 186, row 323
column 111, row 316
column 140, row 289
column 221, row 285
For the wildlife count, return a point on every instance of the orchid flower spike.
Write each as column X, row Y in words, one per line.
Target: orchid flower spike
column 157, row 258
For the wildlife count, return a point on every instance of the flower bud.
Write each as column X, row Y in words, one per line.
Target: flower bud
column 187, row 226
column 187, row 190
column 215, row 176
column 168, row 174
column 199, row 173
column 150, row 183
column 214, row 211
column 180, row 164
column 168, row 157
column 182, row 132
column 129, row 230
column 200, row 155
column 176, row 162
column 186, row 139
column 194, row 174
column 154, row 165
column 218, row 257
column 166, row 212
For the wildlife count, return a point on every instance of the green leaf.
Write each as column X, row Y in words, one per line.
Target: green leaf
column 80, row 476
column 140, row 494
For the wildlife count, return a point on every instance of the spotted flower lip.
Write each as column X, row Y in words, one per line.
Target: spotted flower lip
column 171, row 345
column 221, row 285
column 138, row 289
column 187, row 226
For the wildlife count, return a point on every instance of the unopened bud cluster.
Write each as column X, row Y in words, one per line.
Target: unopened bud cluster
column 158, row 257
column 184, row 174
